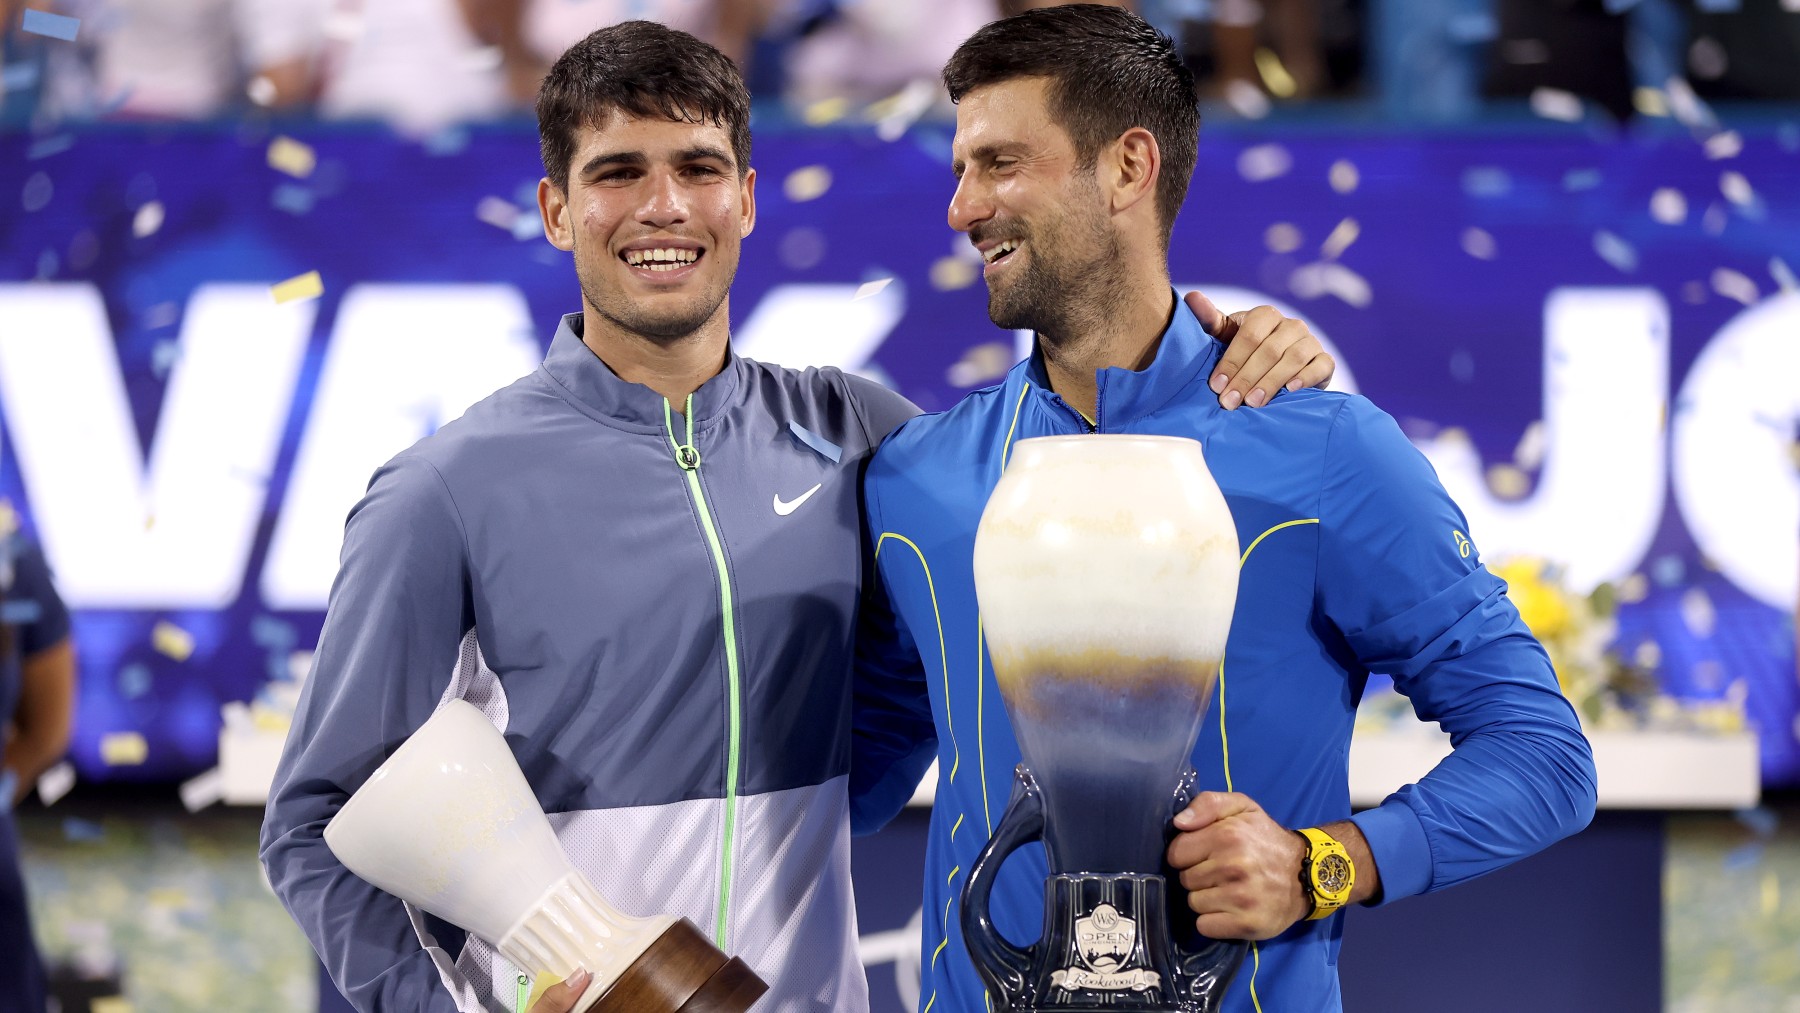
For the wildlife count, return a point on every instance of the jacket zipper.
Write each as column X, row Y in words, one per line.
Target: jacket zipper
column 689, row 459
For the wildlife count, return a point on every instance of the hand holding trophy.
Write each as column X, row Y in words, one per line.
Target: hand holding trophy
column 448, row 824
column 1106, row 568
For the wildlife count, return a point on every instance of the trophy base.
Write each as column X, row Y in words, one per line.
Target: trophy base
column 682, row 972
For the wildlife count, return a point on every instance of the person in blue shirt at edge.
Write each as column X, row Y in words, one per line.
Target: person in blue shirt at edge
column 37, row 705
column 590, row 556
column 1076, row 135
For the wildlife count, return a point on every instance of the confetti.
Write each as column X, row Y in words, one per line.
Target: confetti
column 134, row 681
column 298, row 288
column 1649, row 101
column 1508, row 482
column 1275, row 77
column 499, row 213
column 1327, row 278
column 1667, row 571
column 1734, row 285
column 1533, row 442
column 802, row 248
column 1478, row 243
column 1783, row 275
column 163, row 357
column 38, row 191
column 1648, row 655
column 870, row 288
column 203, row 790
column 1634, row 588
column 1707, row 58
column 1344, row 177
column 50, row 146
column 1724, row 144
column 163, row 314
column 981, row 365
column 55, row 26
column 1714, row 219
column 1264, row 162
column 55, row 783
column 1485, row 181
column 1697, row 612
column 292, row 157
column 292, row 198
column 825, row 111
column 123, row 749
column 1668, row 206
column 148, row 219
column 808, row 183
column 1581, row 179
column 1246, row 99
column 951, row 273
column 171, row 640
column 1615, row 251
column 262, row 91
column 1687, row 107
column 1282, row 237
column 1556, row 104
column 894, row 116
column 1340, row 239
column 1736, row 188
column 450, row 140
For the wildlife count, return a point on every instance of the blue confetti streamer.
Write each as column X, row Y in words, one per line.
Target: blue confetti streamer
column 55, row 26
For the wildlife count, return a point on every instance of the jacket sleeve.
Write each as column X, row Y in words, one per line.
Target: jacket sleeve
column 1400, row 578
column 893, row 737
column 397, row 612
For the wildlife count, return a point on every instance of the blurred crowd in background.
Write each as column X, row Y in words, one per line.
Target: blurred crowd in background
column 426, row 64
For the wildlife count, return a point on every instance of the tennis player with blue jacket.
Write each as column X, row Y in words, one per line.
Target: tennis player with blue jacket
column 1076, row 136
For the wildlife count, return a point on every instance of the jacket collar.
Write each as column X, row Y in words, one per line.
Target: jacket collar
column 593, row 386
column 1184, row 355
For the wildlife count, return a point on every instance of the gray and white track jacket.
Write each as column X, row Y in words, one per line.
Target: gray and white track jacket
column 657, row 615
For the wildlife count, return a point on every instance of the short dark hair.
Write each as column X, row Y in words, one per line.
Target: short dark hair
column 1109, row 71
column 640, row 69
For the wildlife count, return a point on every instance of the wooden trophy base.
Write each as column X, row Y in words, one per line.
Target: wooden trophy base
column 682, row 973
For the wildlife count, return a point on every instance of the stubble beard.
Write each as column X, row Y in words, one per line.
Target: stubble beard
column 1068, row 295
column 666, row 328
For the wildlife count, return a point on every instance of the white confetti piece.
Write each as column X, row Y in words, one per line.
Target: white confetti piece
column 1687, row 107
column 298, row 288
column 292, row 157
column 1478, row 243
column 1634, row 588
column 1556, row 104
column 172, row 640
column 499, row 213
column 1329, row 278
column 56, row 782
column 203, row 790
column 1724, row 144
column 1340, row 239
column 1615, row 251
column 895, row 115
column 869, row 288
column 262, row 91
column 148, row 219
column 1533, row 442
column 1344, row 177
column 1734, row 285
column 1264, row 162
column 1282, row 237
column 982, row 364
column 1783, row 275
column 1697, row 612
column 1247, row 100
column 1736, row 188
column 808, row 183
column 1668, row 206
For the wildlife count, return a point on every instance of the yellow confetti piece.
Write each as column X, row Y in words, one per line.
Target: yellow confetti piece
column 825, row 111
column 172, row 640
column 1340, row 239
column 296, row 289
column 9, row 519
column 292, row 157
column 1275, row 77
column 809, row 183
column 951, row 273
column 123, row 749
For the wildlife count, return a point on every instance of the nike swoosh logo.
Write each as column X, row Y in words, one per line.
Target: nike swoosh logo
column 785, row 507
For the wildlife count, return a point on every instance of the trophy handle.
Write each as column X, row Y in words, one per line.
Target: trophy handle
column 1001, row 963
column 1207, row 965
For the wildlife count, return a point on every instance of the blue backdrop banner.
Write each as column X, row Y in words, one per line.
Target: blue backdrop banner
column 210, row 337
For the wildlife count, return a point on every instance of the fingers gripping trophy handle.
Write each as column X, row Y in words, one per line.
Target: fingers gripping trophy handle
column 1002, row 965
column 1207, row 965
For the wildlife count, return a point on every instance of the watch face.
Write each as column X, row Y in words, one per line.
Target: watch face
column 1332, row 874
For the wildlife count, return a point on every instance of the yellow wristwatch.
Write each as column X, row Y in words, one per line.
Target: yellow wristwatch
column 1326, row 873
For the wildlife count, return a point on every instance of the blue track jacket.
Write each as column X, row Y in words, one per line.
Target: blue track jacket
column 1354, row 561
